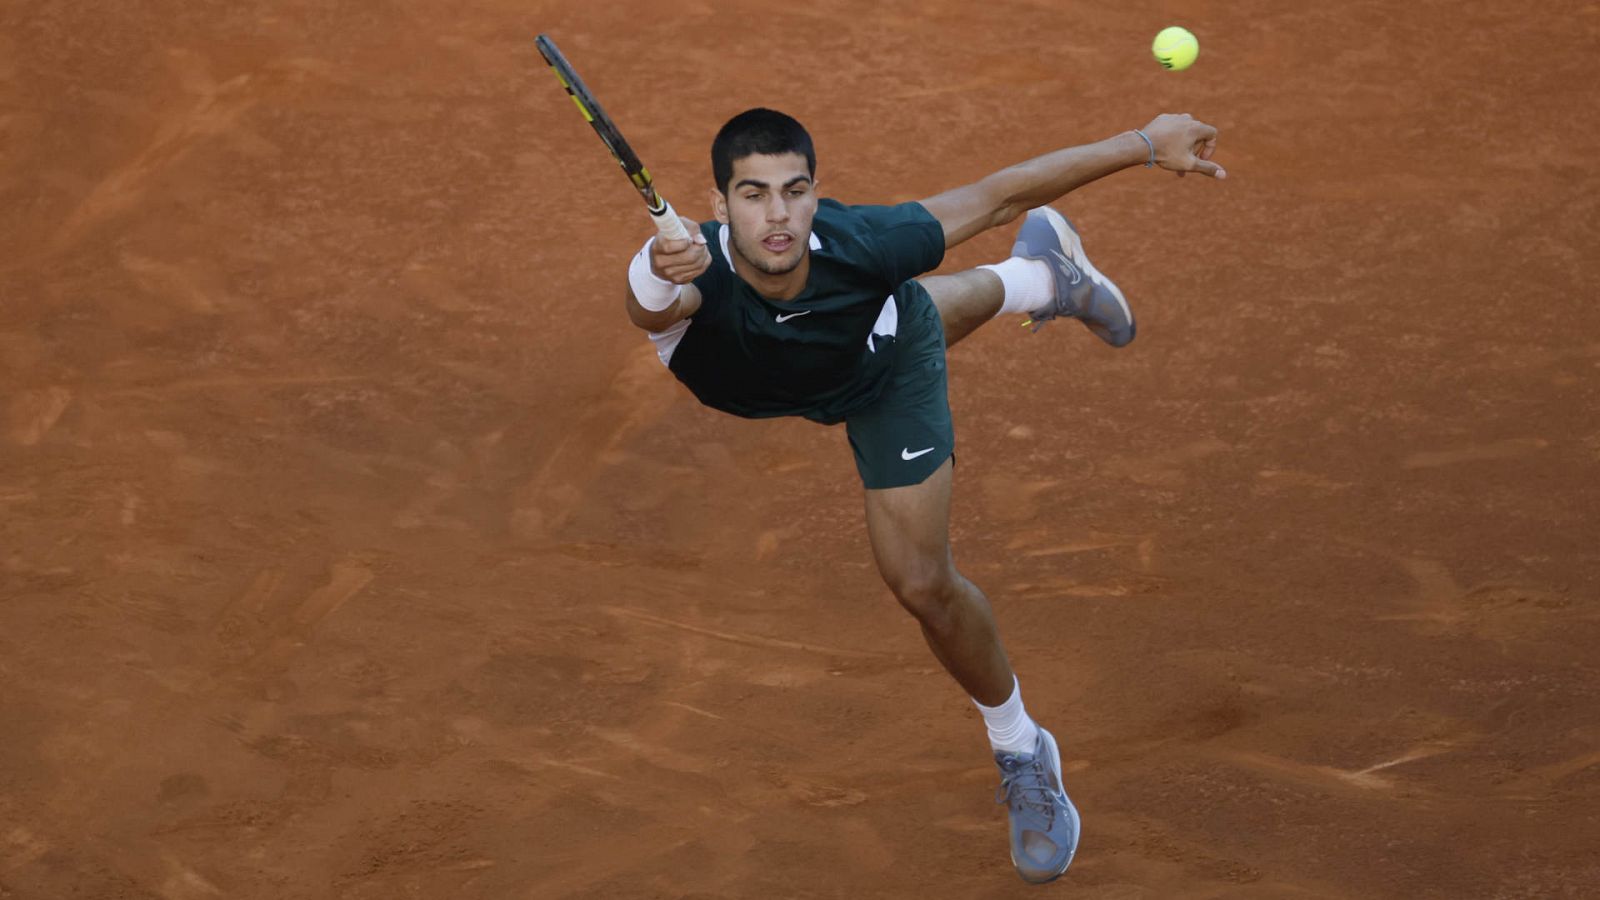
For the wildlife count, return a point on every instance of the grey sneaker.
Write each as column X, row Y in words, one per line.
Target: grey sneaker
column 1081, row 291
column 1044, row 823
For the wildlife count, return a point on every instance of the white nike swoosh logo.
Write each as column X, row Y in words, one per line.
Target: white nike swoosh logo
column 787, row 316
column 1071, row 266
column 907, row 455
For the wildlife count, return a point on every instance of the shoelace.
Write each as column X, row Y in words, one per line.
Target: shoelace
column 1012, row 785
column 1037, row 321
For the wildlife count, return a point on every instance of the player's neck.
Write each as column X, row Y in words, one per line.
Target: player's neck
column 774, row 287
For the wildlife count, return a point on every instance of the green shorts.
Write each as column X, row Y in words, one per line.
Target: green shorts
column 906, row 434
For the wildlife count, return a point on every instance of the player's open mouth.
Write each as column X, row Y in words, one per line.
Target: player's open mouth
column 778, row 243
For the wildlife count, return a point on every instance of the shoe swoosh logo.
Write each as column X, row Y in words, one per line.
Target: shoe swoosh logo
column 1071, row 266
column 907, row 455
column 787, row 316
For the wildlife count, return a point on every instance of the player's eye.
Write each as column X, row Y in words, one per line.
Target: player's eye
column 754, row 196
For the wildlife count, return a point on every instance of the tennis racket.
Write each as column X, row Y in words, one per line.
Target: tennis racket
column 666, row 218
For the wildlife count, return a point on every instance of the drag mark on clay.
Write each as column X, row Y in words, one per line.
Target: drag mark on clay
column 1065, row 586
column 816, row 793
column 1437, row 587
column 268, row 381
column 348, row 579
column 1438, row 595
column 264, row 639
column 637, row 397
column 183, row 883
column 21, row 847
column 694, row 709
column 1271, row 480
column 1143, row 544
column 1499, row 612
column 652, row 753
column 1542, row 779
column 181, row 284
column 749, row 640
column 1422, row 751
column 250, row 604
column 210, row 110
column 33, row 413
column 1081, row 547
column 571, row 767
column 1165, row 469
column 1365, row 779
column 130, row 508
column 1507, row 449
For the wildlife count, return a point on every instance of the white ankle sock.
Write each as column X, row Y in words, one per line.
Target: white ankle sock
column 1028, row 282
column 1010, row 728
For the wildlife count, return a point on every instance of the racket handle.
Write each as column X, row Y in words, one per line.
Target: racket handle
column 668, row 223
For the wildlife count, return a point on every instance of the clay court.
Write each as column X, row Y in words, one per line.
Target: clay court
column 354, row 545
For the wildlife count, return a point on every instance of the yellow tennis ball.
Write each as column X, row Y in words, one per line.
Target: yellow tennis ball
column 1175, row 48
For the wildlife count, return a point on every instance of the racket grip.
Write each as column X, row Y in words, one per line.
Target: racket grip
column 668, row 223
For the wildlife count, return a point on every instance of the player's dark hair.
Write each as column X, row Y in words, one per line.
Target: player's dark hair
column 764, row 131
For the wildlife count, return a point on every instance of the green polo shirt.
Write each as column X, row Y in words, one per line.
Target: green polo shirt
column 827, row 352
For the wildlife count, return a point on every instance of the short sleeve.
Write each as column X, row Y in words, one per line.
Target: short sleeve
column 907, row 239
column 713, row 283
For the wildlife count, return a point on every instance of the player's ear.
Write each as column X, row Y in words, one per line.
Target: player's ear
column 719, row 205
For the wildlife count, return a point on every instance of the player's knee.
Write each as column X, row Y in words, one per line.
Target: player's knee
column 927, row 591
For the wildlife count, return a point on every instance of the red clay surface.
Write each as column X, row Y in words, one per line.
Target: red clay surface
column 354, row 545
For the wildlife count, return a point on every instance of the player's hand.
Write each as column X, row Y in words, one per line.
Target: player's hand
column 680, row 262
column 1184, row 144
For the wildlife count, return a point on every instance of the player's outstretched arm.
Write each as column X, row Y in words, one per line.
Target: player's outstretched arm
column 1180, row 143
column 660, row 292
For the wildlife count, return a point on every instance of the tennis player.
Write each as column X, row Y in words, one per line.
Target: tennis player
column 790, row 304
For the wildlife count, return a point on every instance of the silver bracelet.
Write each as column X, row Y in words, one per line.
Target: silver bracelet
column 1149, row 143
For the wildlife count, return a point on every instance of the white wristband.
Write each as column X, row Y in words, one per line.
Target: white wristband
column 651, row 290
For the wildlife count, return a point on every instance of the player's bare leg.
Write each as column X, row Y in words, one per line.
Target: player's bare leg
column 965, row 300
column 910, row 532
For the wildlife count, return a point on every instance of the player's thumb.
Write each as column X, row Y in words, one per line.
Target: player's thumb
column 1207, row 167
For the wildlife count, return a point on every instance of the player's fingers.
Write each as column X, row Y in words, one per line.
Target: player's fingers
column 687, row 269
column 673, row 274
column 693, row 256
column 1204, row 132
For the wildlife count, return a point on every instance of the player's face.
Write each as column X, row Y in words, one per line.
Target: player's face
column 769, row 206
